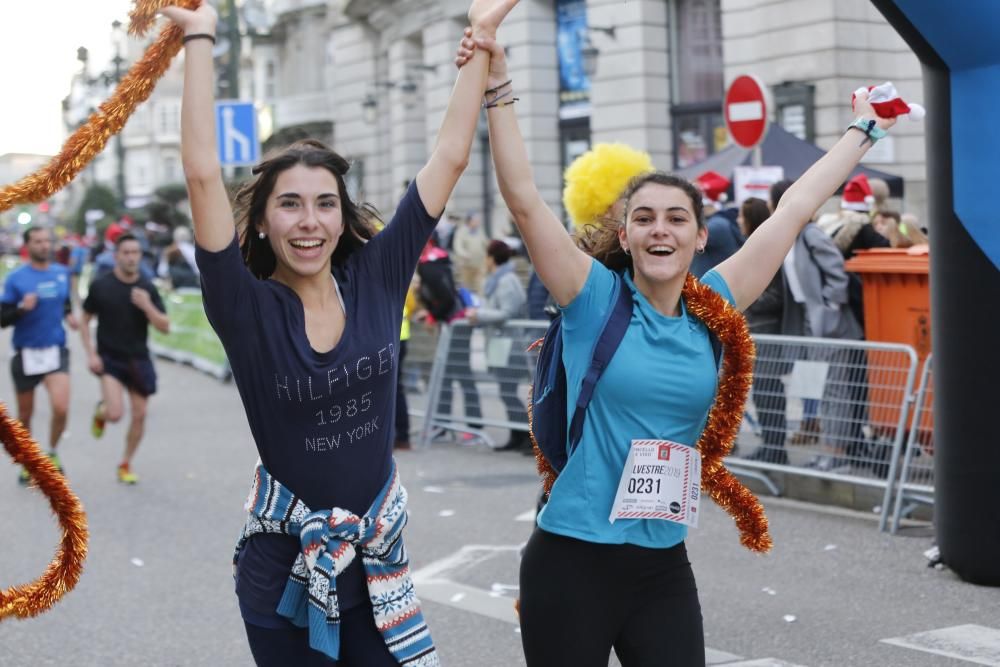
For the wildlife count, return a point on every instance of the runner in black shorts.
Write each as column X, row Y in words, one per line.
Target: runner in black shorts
column 35, row 300
column 125, row 304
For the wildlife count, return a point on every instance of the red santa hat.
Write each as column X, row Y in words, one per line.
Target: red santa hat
column 713, row 187
column 857, row 194
column 887, row 103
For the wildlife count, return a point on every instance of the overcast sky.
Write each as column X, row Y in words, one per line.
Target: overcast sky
column 38, row 43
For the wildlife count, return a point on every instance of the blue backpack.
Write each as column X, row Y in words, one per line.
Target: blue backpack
column 549, row 429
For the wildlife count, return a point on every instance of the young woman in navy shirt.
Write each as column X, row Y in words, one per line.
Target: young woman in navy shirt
column 307, row 300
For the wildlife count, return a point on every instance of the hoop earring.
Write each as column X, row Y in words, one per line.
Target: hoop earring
column 627, row 252
column 701, row 250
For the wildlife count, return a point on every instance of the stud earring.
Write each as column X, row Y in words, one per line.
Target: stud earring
column 701, row 250
column 261, row 235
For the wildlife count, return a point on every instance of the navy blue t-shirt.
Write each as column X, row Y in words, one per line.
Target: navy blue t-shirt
column 322, row 422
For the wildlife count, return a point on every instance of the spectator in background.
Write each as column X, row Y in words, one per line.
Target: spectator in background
column 880, row 194
column 816, row 305
column 764, row 316
column 505, row 300
column 724, row 235
column 851, row 231
column 444, row 231
column 469, row 252
column 900, row 234
column 177, row 263
column 442, row 304
column 402, row 418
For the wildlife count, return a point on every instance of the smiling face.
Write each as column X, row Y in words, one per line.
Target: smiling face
column 303, row 221
column 661, row 232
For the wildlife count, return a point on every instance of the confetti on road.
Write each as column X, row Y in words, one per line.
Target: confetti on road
column 137, row 562
column 446, row 513
column 457, row 597
column 830, row 547
column 769, row 590
column 789, row 618
column 433, row 489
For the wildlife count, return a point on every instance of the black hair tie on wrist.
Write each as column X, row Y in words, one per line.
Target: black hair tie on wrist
column 198, row 35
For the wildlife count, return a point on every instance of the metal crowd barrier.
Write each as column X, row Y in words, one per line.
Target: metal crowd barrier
column 191, row 339
column 823, row 408
column 916, row 478
column 479, row 378
column 829, row 409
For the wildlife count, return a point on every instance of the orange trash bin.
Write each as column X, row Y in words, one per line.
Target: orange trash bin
column 897, row 310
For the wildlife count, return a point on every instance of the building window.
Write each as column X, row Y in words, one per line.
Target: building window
column 697, row 80
column 168, row 119
column 795, row 105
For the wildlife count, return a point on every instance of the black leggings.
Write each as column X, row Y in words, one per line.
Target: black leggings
column 361, row 644
column 580, row 599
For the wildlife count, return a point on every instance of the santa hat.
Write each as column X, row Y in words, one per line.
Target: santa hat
column 887, row 103
column 857, row 194
column 713, row 187
column 112, row 233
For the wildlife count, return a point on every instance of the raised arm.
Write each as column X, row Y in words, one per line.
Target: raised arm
column 562, row 267
column 210, row 207
column 448, row 160
column 750, row 269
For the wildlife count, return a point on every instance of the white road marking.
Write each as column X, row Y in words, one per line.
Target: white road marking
column 974, row 643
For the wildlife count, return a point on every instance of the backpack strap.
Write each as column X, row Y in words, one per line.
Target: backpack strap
column 607, row 343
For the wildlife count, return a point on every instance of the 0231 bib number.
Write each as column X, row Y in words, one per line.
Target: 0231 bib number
column 661, row 480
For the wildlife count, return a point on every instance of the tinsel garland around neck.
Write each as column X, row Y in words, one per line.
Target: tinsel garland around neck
column 63, row 572
column 91, row 137
column 724, row 419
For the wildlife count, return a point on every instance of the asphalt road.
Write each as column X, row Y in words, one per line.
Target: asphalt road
column 157, row 589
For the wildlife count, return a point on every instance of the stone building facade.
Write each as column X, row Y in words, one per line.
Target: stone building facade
column 373, row 77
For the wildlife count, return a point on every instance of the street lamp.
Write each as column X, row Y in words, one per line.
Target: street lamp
column 369, row 105
column 589, row 52
column 117, row 61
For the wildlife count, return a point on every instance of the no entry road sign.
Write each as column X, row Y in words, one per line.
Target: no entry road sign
column 746, row 111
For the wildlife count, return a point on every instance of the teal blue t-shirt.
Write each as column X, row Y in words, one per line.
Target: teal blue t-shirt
column 659, row 385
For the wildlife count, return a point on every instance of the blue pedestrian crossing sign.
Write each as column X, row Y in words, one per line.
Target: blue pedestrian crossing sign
column 236, row 128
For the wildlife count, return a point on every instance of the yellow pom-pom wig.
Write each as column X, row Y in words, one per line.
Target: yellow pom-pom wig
column 596, row 179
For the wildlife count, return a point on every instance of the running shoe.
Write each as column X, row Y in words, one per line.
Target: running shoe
column 97, row 423
column 24, row 477
column 55, row 461
column 125, row 475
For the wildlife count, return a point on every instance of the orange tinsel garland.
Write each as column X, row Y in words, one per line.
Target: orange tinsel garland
column 89, row 139
column 63, row 572
column 724, row 418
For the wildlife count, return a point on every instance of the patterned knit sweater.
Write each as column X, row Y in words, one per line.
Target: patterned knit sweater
column 330, row 540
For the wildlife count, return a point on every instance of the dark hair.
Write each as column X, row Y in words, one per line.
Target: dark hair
column 26, row 235
column 499, row 251
column 600, row 240
column 122, row 238
column 754, row 212
column 778, row 191
column 251, row 203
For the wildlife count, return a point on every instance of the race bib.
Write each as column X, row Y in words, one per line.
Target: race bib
column 661, row 480
column 39, row 360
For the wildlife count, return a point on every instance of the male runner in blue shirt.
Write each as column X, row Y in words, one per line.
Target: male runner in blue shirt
column 36, row 298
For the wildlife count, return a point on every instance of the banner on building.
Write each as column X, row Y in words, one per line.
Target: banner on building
column 574, row 84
